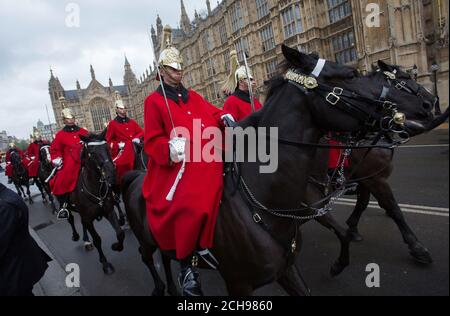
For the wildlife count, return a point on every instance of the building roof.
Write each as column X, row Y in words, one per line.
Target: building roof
column 72, row 95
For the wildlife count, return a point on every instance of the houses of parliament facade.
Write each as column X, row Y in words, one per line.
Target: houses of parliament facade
column 410, row 33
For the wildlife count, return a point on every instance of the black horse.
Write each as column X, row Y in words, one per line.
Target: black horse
column 252, row 232
column 93, row 198
column 44, row 171
column 374, row 167
column 20, row 177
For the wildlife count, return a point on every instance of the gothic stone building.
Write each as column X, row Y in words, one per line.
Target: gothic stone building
column 410, row 32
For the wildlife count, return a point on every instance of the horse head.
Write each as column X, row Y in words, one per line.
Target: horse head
column 16, row 160
column 44, row 155
column 411, row 98
column 334, row 94
column 387, row 100
column 96, row 157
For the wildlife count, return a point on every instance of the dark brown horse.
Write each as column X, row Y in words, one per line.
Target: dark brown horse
column 20, row 177
column 257, row 246
column 44, row 171
column 374, row 167
column 93, row 198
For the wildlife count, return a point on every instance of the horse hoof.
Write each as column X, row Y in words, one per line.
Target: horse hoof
column 75, row 238
column 337, row 269
column 88, row 246
column 108, row 269
column 122, row 221
column 45, row 202
column 31, row 202
column 118, row 247
column 421, row 255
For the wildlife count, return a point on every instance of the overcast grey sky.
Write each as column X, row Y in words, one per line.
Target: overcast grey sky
column 34, row 36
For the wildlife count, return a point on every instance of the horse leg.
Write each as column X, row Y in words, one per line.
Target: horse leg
column 41, row 190
column 30, row 200
column 343, row 261
column 121, row 213
column 172, row 288
column 363, row 200
column 112, row 218
column 383, row 193
column 19, row 191
column 108, row 268
column 75, row 235
column 50, row 198
column 293, row 283
column 87, row 243
column 147, row 257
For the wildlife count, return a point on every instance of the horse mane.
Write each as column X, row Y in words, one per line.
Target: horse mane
column 276, row 81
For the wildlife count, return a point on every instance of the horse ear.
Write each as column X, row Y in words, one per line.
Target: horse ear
column 384, row 67
column 374, row 67
column 300, row 60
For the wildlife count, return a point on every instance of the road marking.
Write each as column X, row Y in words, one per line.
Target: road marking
column 425, row 146
column 420, row 207
column 415, row 209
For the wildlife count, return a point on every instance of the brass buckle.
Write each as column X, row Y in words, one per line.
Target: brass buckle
column 400, row 85
column 332, row 98
column 338, row 91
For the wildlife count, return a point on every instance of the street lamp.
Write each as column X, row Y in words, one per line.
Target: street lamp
column 415, row 72
column 434, row 70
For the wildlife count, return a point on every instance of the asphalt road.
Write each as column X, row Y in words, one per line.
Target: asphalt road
column 420, row 183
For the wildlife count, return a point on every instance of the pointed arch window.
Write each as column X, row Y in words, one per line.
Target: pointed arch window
column 100, row 113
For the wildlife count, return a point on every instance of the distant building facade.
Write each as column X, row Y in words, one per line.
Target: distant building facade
column 410, row 32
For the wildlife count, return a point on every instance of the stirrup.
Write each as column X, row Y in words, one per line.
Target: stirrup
column 63, row 213
column 189, row 283
column 209, row 258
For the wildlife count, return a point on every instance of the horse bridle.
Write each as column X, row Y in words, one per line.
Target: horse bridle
column 386, row 115
column 101, row 197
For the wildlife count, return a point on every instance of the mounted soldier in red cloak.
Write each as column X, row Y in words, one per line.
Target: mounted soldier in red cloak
column 9, row 166
column 182, row 197
column 65, row 152
column 122, row 132
column 239, row 86
column 33, row 155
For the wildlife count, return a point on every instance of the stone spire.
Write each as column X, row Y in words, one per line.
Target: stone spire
column 159, row 26
column 208, row 6
column 92, row 73
column 185, row 23
column 78, row 85
column 129, row 78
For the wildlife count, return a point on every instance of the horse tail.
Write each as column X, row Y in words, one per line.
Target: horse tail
column 128, row 179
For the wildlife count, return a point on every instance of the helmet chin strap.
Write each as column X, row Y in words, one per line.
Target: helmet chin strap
column 319, row 68
column 168, row 75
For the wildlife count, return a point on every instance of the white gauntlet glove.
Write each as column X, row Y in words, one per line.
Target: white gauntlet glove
column 137, row 141
column 177, row 148
column 57, row 162
column 121, row 146
column 228, row 116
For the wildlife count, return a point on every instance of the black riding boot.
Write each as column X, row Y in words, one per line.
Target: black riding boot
column 116, row 193
column 189, row 278
column 9, row 180
column 63, row 212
